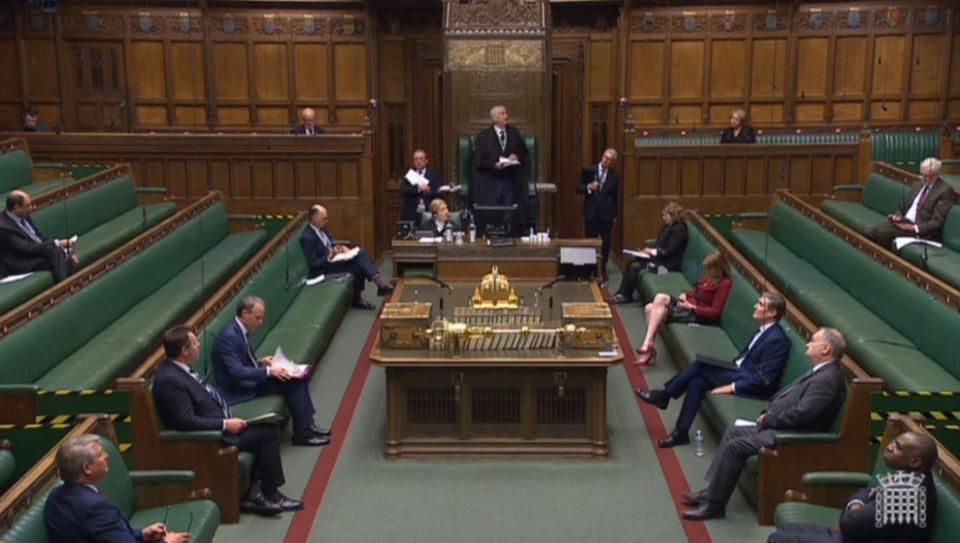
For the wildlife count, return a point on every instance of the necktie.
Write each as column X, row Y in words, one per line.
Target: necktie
column 309, row 131
column 29, row 230
column 503, row 139
column 224, row 406
column 250, row 354
column 923, row 197
column 325, row 239
column 743, row 356
column 603, row 177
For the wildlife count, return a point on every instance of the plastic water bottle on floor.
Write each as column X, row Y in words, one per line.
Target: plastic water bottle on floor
column 699, row 441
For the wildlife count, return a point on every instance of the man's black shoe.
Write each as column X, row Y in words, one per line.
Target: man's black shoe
column 619, row 299
column 310, row 440
column 705, row 511
column 676, row 438
column 384, row 290
column 656, row 396
column 363, row 304
column 259, row 505
column 319, row 432
column 285, row 503
column 693, row 498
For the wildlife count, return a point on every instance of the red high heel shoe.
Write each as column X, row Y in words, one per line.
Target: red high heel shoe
column 647, row 356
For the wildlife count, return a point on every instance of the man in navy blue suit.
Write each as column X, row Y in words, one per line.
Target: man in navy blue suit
column 242, row 376
column 756, row 373
column 416, row 198
column 321, row 252
column 76, row 512
column 24, row 248
column 187, row 402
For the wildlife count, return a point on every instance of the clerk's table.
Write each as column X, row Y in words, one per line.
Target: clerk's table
column 482, row 381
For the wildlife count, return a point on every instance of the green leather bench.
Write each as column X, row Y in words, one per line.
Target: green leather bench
column 762, row 139
column 16, row 172
column 201, row 516
column 465, row 168
column 104, row 217
column 89, row 338
column 905, row 150
column 8, row 466
column 836, row 486
column 894, row 329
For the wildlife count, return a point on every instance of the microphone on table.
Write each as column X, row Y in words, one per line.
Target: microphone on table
column 559, row 278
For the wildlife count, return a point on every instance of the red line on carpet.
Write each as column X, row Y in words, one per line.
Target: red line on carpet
column 669, row 463
column 303, row 520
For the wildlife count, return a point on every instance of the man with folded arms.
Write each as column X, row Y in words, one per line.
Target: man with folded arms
column 923, row 213
column 755, row 372
column 186, row 402
column 242, row 376
column 809, row 404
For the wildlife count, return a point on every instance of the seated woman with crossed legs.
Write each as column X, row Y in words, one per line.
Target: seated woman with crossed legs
column 701, row 304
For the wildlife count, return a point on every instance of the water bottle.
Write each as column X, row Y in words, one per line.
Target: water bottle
column 448, row 232
column 699, row 441
column 473, row 232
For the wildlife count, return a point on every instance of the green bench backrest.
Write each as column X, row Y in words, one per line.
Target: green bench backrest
column 465, row 163
column 762, row 139
column 951, row 229
column 29, row 526
column 884, row 195
column 15, row 170
column 8, row 465
column 426, row 217
column 116, row 484
column 737, row 316
column 916, row 314
column 905, row 150
column 271, row 285
column 37, row 347
column 87, row 210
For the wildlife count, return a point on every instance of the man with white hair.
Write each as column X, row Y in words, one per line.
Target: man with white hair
column 499, row 161
column 309, row 126
column 923, row 213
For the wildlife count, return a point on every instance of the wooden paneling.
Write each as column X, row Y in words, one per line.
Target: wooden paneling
column 849, row 67
column 312, row 67
column 230, row 71
column 686, row 69
column 646, row 74
column 728, row 68
column 149, row 77
column 350, row 67
column 188, row 70
column 271, row 69
column 769, row 69
column 812, row 68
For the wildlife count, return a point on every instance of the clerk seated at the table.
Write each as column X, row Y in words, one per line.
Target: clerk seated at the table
column 439, row 219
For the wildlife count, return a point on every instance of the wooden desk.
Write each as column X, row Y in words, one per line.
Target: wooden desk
column 470, row 261
column 497, row 403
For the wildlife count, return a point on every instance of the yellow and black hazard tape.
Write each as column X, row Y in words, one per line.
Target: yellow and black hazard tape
column 880, row 416
column 75, row 392
column 922, row 393
column 290, row 216
column 876, row 440
column 61, row 421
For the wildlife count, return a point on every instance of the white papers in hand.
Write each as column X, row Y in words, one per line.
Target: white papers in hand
column 744, row 422
column 507, row 162
column 349, row 255
column 415, row 178
column 280, row 360
column 902, row 241
column 12, row 278
column 315, row 280
column 636, row 254
column 449, row 188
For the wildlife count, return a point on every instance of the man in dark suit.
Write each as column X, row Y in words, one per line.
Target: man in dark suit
column 495, row 183
column 186, row 402
column 600, row 184
column 923, row 213
column 309, row 126
column 242, row 376
column 757, row 371
column 76, row 511
column 31, row 122
column 320, row 250
column 912, row 455
column 810, row 403
column 416, row 198
column 24, row 248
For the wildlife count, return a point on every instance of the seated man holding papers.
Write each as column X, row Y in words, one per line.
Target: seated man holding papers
column 923, row 213
column 420, row 185
column 242, row 376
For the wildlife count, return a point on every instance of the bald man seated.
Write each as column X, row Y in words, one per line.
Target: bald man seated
column 321, row 252
column 24, row 248
column 309, row 126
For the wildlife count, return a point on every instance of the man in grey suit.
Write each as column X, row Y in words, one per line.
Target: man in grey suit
column 809, row 404
column 923, row 213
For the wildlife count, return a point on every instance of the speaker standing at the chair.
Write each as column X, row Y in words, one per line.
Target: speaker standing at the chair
column 499, row 158
column 600, row 185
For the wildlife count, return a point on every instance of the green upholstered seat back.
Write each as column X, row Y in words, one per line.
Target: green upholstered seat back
column 272, row 283
column 907, row 308
column 34, row 349
column 904, row 150
column 951, row 229
column 426, row 217
column 29, row 525
column 88, row 209
column 791, row 138
column 946, row 525
column 8, row 465
column 15, row 170
column 116, row 484
column 884, row 195
column 465, row 164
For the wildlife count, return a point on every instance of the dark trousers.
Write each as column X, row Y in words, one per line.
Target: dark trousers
column 603, row 229
column 738, row 443
column 696, row 380
column 883, row 234
column 297, row 397
column 361, row 267
column 795, row 532
column 49, row 258
column 504, row 192
column 263, row 440
column 631, row 277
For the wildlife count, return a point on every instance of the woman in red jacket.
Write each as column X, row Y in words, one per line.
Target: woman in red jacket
column 701, row 304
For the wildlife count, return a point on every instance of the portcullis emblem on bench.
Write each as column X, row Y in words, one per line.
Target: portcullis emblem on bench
column 902, row 499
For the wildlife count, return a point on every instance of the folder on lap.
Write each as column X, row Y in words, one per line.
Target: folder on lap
column 718, row 362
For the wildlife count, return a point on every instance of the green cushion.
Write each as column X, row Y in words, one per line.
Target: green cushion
column 427, row 216
column 259, row 406
column 202, row 517
column 28, row 526
column 952, row 179
column 15, row 293
column 8, row 465
column 905, row 150
column 806, row 513
column 15, row 170
column 106, row 237
column 884, row 195
column 853, row 214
